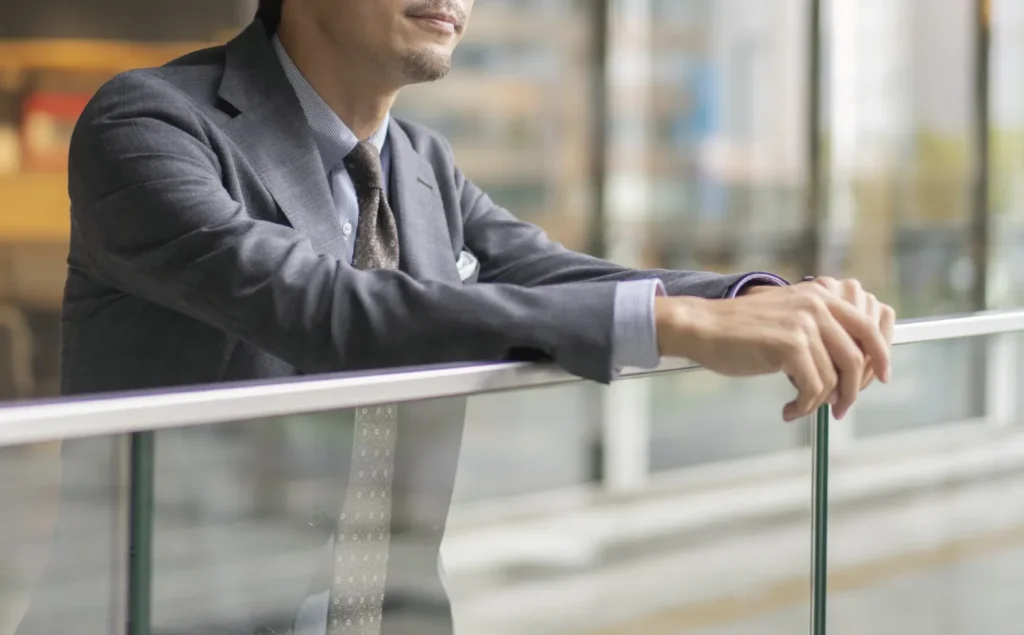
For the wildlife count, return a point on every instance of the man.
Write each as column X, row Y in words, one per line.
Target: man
column 253, row 211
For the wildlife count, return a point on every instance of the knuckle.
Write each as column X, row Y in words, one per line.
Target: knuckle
column 818, row 307
column 853, row 359
column 815, row 388
column 806, row 325
column 796, row 342
column 829, row 385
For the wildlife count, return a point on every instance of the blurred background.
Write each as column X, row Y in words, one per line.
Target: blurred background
column 879, row 139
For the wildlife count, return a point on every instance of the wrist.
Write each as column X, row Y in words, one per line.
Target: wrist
column 755, row 289
column 678, row 322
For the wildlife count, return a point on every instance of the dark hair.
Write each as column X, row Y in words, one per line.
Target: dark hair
column 269, row 12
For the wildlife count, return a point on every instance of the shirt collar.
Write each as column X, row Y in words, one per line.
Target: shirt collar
column 333, row 138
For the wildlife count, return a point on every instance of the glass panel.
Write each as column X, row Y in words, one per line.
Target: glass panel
column 933, row 383
column 704, row 418
column 691, row 555
column 664, row 560
column 245, row 513
column 517, row 110
column 925, row 529
column 63, row 537
column 557, row 431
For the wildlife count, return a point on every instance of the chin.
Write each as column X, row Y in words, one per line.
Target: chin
column 427, row 65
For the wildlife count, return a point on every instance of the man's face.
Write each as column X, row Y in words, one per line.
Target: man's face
column 411, row 39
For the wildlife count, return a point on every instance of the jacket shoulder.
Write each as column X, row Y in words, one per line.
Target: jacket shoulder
column 427, row 142
column 191, row 80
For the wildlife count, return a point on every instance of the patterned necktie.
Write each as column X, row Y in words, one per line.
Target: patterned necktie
column 364, row 527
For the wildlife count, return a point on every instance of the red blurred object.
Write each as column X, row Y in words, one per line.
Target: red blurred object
column 48, row 119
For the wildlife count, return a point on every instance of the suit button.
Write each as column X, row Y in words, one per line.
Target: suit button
column 317, row 517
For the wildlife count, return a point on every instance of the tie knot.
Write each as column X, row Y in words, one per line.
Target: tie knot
column 363, row 165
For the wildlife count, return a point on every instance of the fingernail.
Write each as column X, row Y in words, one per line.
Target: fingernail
column 888, row 374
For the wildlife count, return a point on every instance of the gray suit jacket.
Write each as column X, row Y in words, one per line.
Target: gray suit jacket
column 205, row 248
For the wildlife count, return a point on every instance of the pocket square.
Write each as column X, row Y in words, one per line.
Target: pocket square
column 467, row 265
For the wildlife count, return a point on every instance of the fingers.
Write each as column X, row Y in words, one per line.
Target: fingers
column 803, row 372
column 849, row 306
column 811, row 370
column 887, row 322
column 858, row 337
column 848, row 360
column 873, row 308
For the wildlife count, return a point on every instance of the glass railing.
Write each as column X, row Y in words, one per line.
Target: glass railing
column 558, row 507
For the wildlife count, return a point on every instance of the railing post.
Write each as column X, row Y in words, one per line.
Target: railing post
column 140, row 533
column 819, row 520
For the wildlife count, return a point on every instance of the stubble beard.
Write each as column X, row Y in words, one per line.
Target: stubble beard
column 427, row 66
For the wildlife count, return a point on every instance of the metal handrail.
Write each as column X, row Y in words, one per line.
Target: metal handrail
column 135, row 412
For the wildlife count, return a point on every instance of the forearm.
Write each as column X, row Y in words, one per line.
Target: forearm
column 321, row 315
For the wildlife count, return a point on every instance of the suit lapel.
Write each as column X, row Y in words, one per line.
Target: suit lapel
column 423, row 234
column 272, row 132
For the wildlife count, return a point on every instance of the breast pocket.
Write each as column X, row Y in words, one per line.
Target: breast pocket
column 468, row 266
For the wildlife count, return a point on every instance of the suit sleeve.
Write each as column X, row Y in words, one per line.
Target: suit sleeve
column 157, row 222
column 514, row 252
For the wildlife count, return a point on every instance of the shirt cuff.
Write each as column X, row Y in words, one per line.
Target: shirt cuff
column 635, row 338
column 756, row 279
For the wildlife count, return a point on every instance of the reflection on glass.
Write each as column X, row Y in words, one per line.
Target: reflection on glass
column 62, row 541
column 246, row 511
column 246, row 517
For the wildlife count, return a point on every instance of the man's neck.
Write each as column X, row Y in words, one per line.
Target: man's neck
column 359, row 99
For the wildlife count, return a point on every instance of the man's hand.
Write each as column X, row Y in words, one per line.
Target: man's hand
column 829, row 337
column 881, row 314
